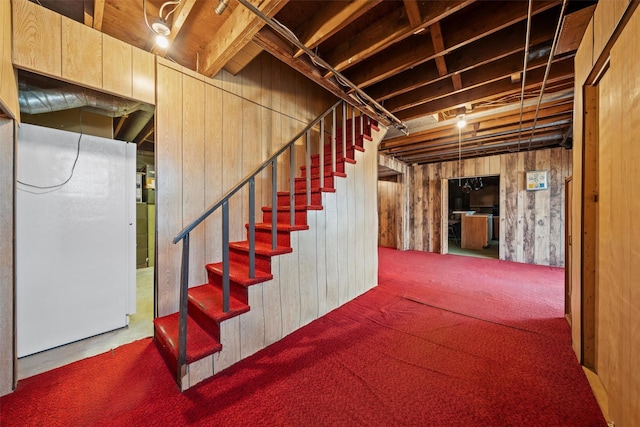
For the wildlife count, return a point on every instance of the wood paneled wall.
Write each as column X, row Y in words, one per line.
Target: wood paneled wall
column 333, row 262
column 50, row 44
column 605, row 157
column 8, row 83
column 7, row 184
column 211, row 133
column 389, row 212
column 401, row 213
column 531, row 222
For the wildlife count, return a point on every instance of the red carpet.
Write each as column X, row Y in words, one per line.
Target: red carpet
column 443, row 341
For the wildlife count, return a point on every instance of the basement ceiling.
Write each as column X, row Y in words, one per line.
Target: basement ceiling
column 422, row 63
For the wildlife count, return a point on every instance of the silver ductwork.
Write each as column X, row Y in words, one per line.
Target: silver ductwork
column 35, row 100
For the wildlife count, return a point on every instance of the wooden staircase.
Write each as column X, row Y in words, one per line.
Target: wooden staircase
column 205, row 314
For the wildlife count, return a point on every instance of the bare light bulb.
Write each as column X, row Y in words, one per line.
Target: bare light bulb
column 162, row 41
column 461, row 123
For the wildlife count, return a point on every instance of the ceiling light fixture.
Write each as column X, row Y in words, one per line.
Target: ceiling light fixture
column 221, row 6
column 160, row 26
column 461, row 122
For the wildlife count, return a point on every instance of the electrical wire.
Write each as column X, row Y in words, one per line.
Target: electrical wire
column 171, row 11
column 546, row 72
column 73, row 168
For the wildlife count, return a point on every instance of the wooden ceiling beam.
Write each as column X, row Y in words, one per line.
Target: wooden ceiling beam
column 412, row 52
column 179, row 18
column 234, row 34
column 545, row 124
column 271, row 42
column 475, row 77
column 562, row 70
column 389, row 30
column 331, row 18
column 413, row 13
column 483, row 128
column 98, row 14
column 491, row 48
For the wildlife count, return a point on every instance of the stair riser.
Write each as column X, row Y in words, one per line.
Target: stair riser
column 315, row 169
column 301, row 183
column 284, row 217
column 204, row 321
column 300, row 199
column 238, row 291
column 263, row 262
column 283, row 237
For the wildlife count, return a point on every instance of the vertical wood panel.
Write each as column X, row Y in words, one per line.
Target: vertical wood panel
column 193, row 179
column 168, row 187
column 360, row 220
column 342, row 249
column 81, row 54
column 7, row 352
column 307, row 279
column 557, row 177
column 232, row 155
column 8, row 83
column 272, row 305
column 213, row 171
column 252, row 324
column 143, row 76
column 508, row 205
column 542, row 210
column 37, row 42
column 117, row 66
column 331, row 245
column 289, row 288
column 321, row 261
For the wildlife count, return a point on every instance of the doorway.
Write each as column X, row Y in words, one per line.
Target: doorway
column 479, row 198
column 87, row 122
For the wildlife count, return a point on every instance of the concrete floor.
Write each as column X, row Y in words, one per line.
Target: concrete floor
column 140, row 326
column 491, row 252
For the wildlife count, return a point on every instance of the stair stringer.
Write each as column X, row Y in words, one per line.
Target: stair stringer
column 332, row 262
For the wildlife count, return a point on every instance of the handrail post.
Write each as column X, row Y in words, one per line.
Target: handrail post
column 344, row 129
column 274, row 204
column 353, row 126
column 333, row 141
column 182, row 316
column 252, row 228
column 361, row 124
column 225, row 256
column 321, row 161
column 292, row 184
column 307, row 158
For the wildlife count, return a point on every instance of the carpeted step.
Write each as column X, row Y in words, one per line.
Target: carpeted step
column 284, row 214
column 200, row 343
column 205, row 306
column 301, row 183
column 239, row 253
column 315, row 161
column 263, row 232
column 315, row 168
column 239, row 278
column 300, row 197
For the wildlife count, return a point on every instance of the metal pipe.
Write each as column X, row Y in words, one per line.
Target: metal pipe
column 252, row 228
column 344, row 131
column 225, row 257
column 524, row 70
column 307, row 160
column 287, row 34
column 353, row 126
column 274, row 204
column 292, row 185
column 333, row 142
column 182, row 315
column 546, row 72
column 321, row 161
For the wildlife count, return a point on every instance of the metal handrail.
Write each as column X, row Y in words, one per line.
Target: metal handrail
column 250, row 180
column 246, row 179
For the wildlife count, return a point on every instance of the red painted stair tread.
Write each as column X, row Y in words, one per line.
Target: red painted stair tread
column 239, row 273
column 208, row 299
column 199, row 343
column 262, row 248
